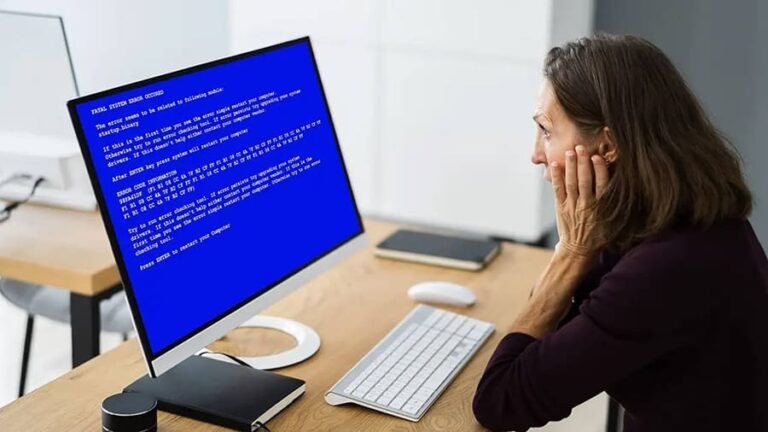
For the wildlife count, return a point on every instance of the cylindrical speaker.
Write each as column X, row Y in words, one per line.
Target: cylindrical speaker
column 129, row 412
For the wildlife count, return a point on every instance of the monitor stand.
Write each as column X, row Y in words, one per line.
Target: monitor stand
column 307, row 343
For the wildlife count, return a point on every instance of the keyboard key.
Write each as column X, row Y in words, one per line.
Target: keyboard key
column 444, row 320
column 465, row 328
column 411, row 408
column 424, row 393
column 433, row 318
column 455, row 324
column 480, row 324
column 418, row 400
column 476, row 333
column 398, row 402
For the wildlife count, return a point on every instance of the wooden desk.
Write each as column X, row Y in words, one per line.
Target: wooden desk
column 67, row 249
column 352, row 307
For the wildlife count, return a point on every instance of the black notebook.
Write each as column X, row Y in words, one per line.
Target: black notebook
column 435, row 249
column 226, row 394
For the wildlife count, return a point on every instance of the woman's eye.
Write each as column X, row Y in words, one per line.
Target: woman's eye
column 544, row 131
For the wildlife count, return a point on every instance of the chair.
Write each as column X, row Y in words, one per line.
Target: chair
column 53, row 303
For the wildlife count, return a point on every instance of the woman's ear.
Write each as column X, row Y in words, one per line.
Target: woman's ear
column 607, row 147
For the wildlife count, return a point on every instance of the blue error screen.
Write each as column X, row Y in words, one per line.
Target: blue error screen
column 218, row 182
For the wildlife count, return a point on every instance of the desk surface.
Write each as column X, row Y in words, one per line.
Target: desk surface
column 64, row 248
column 352, row 307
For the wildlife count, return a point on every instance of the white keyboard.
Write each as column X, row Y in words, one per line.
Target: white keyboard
column 411, row 367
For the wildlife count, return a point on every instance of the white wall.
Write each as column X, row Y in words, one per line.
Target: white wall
column 35, row 78
column 432, row 100
column 117, row 42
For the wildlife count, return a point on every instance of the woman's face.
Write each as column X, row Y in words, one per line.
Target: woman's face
column 556, row 133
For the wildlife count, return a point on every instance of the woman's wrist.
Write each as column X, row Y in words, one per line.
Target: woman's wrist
column 575, row 255
column 552, row 296
column 581, row 259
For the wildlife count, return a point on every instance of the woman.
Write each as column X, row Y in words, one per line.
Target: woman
column 658, row 289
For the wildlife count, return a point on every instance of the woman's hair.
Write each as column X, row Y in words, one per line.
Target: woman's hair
column 672, row 166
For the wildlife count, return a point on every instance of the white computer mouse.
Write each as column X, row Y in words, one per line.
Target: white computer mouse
column 447, row 293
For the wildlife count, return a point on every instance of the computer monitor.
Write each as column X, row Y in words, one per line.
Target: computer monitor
column 36, row 138
column 222, row 188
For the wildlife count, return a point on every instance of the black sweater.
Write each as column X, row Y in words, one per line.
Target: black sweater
column 676, row 330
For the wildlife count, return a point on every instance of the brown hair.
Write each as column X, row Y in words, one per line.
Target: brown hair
column 672, row 165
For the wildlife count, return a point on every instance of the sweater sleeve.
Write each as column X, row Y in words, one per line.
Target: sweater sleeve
column 589, row 283
column 646, row 306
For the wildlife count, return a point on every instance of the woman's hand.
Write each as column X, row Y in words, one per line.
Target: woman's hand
column 575, row 195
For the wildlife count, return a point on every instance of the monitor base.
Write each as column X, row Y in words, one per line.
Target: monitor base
column 307, row 343
column 229, row 395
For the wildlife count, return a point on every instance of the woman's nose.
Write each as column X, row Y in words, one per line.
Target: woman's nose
column 537, row 158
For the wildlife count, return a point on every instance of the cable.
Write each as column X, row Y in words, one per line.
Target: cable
column 231, row 357
column 5, row 212
column 13, row 177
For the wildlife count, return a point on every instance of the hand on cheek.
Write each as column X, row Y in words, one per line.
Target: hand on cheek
column 578, row 183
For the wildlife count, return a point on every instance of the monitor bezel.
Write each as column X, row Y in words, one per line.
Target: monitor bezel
column 166, row 358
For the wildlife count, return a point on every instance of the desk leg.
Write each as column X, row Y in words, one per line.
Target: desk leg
column 615, row 416
column 86, row 326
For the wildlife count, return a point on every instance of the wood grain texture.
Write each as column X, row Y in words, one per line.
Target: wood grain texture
column 352, row 307
column 64, row 248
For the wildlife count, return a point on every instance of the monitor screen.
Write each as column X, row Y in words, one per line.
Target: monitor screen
column 217, row 183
